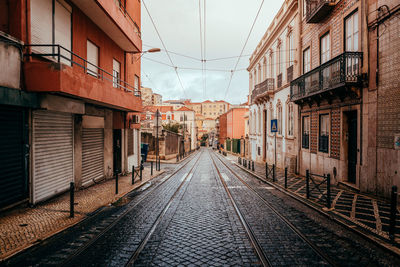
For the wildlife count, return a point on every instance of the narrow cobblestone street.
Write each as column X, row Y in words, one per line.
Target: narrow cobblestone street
column 206, row 212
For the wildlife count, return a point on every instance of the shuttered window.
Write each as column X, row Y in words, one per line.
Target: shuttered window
column 41, row 24
column 93, row 58
column 62, row 29
column 116, row 73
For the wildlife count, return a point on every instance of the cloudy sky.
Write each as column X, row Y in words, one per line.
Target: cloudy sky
column 227, row 26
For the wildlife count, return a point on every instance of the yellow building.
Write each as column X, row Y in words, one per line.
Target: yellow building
column 214, row 109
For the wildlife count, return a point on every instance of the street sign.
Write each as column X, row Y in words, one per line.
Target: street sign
column 274, row 126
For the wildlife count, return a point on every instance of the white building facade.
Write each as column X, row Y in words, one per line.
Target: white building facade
column 273, row 65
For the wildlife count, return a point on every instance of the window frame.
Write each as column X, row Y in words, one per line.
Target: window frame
column 305, row 132
column 323, row 139
column 325, row 56
column 346, row 19
column 308, row 62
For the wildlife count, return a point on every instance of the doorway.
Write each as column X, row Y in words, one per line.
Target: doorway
column 117, row 148
column 352, row 146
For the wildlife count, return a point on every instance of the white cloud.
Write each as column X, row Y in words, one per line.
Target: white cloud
column 228, row 24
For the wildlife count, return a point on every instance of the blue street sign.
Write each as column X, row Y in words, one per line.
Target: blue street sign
column 274, row 126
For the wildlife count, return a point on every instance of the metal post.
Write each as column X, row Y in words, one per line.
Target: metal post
column 71, row 199
column 249, row 165
column 275, row 149
column 307, row 184
column 141, row 169
column 273, row 173
column 116, row 182
column 328, row 191
column 285, row 177
column 266, row 170
column 252, row 166
column 157, row 141
column 393, row 211
column 133, row 174
column 177, row 157
column 151, row 173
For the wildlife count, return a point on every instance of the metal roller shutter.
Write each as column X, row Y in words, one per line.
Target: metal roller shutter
column 92, row 155
column 13, row 179
column 52, row 154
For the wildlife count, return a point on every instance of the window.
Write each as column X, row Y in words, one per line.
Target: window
column 279, row 117
column 351, row 31
column 324, row 133
column 304, row 8
column 136, row 85
column 290, row 120
column 306, row 60
column 272, row 66
column 93, row 58
column 325, row 52
column 116, row 73
column 280, row 60
column 305, row 139
column 291, row 49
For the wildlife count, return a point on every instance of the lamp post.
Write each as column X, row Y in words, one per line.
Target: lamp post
column 157, row 141
column 151, row 50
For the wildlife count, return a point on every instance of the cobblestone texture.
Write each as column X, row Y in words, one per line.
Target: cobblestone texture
column 24, row 227
column 203, row 229
column 367, row 212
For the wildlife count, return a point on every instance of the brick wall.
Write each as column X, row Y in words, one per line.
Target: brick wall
column 335, row 133
column 389, row 83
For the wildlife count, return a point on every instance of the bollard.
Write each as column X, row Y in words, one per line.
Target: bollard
column 177, row 158
column 141, row 169
column 116, row 182
column 244, row 163
column 249, row 165
column 285, row 177
column 151, row 168
column 266, row 170
column 273, row 173
column 393, row 211
column 328, row 191
column 133, row 174
column 307, row 184
column 252, row 166
column 71, row 199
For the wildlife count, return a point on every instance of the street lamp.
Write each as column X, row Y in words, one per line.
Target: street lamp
column 151, row 50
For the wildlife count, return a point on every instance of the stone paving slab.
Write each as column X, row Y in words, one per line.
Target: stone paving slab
column 370, row 213
column 23, row 227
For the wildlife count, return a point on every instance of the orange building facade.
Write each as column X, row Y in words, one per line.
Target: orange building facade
column 81, row 65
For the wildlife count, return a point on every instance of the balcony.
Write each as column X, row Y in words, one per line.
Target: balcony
column 336, row 77
column 58, row 70
column 262, row 91
column 317, row 10
column 112, row 18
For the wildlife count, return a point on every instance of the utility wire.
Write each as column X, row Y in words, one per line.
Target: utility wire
column 244, row 46
column 201, row 48
column 205, row 47
column 162, row 42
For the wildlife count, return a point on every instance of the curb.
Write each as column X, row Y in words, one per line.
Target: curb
column 83, row 219
column 332, row 216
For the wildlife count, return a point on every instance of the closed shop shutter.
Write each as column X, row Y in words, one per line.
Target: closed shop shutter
column 130, row 142
column 13, row 181
column 41, row 24
column 52, row 153
column 92, row 155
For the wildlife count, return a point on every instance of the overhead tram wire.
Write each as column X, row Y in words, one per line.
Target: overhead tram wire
column 201, row 49
column 188, row 68
column 162, row 42
column 244, row 46
column 205, row 46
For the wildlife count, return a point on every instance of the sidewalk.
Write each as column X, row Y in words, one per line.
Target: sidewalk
column 23, row 227
column 365, row 211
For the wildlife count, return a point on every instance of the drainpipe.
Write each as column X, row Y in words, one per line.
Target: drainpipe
column 299, row 61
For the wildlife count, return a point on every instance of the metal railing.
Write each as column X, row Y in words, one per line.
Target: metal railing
column 312, row 7
column 339, row 71
column 63, row 55
column 125, row 12
column 261, row 88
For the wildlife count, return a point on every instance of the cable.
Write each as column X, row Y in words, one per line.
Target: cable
column 205, row 54
column 201, row 48
column 162, row 42
column 223, row 58
column 244, row 46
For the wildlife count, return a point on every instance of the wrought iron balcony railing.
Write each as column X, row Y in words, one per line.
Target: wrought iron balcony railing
column 262, row 88
column 316, row 10
column 62, row 55
column 340, row 71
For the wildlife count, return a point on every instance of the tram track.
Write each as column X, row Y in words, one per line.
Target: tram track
column 77, row 253
column 294, row 229
column 143, row 243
